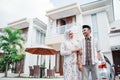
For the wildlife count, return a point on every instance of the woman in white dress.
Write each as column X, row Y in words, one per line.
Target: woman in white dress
column 69, row 49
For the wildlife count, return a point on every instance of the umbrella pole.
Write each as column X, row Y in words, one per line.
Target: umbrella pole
column 50, row 62
column 41, row 60
column 37, row 59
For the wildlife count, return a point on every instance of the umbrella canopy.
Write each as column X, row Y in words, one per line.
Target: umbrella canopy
column 41, row 50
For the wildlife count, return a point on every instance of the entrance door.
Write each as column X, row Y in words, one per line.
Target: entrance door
column 116, row 59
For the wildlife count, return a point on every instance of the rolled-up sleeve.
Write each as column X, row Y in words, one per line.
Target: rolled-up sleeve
column 63, row 50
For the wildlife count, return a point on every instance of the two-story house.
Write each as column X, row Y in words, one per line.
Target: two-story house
column 34, row 30
column 98, row 14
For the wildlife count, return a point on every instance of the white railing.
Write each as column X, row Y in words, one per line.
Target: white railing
column 59, row 30
column 62, row 29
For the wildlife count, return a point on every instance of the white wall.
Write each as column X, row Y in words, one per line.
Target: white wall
column 103, row 29
column 104, row 39
column 116, row 9
column 115, row 39
column 31, row 34
column 31, row 59
column 79, row 22
column 87, row 20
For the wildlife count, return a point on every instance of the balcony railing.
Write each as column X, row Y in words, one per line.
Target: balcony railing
column 59, row 30
column 62, row 29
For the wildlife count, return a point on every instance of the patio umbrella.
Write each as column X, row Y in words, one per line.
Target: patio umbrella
column 41, row 50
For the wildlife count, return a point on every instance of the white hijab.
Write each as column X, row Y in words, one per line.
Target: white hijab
column 66, row 34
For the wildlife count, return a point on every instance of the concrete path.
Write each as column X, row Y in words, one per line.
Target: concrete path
column 56, row 78
column 31, row 79
column 11, row 77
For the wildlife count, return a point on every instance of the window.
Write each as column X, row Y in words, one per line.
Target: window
column 65, row 23
column 40, row 37
column 67, row 20
column 94, row 26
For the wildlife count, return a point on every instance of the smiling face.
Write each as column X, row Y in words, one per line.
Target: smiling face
column 86, row 32
column 70, row 34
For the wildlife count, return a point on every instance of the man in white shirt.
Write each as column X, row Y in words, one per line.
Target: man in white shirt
column 90, row 54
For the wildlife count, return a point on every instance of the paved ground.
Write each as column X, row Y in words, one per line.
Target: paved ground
column 36, row 79
column 30, row 79
column 26, row 78
column 56, row 78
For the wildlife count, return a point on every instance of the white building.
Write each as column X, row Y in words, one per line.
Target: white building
column 98, row 14
column 34, row 31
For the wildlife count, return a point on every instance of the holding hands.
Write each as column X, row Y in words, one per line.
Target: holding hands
column 79, row 53
column 80, row 67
